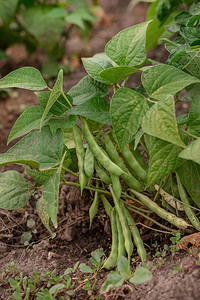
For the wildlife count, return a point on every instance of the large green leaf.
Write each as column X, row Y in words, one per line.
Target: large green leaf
column 42, row 147
column 189, row 174
column 26, row 78
column 127, row 48
column 51, row 193
column 96, row 109
column 7, row 10
column 192, row 152
column 53, row 23
column 55, row 93
column 64, row 123
column 162, row 80
column 86, row 89
column 160, row 121
column 127, row 110
column 95, row 65
column 163, row 159
column 15, row 191
column 9, row 158
column 27, row 121
column 116, row 74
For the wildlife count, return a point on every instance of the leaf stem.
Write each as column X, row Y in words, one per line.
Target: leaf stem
column 190, row 134
column 63, row 94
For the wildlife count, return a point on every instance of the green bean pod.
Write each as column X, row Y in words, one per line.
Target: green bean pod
column 136, row 236
column 80, row 152
column 117, row 188
column 136, row 153
column 121, row 242
column 188, row 210
column 102, row 173
column 97, row 151
column 126, row 232
column 171, row 218
column 89, row 163
column 133, row 165
column 94, row 207
column 107, row 206
column 111, row 261
column 130, row 180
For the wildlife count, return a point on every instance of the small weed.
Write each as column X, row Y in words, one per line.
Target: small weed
column 48, row 285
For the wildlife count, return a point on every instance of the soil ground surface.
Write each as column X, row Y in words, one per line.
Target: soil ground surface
column 74, row 241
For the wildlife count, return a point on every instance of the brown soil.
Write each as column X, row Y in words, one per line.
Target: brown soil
column 74, row 241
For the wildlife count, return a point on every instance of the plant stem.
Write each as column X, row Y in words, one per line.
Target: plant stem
column 63, row 94
column 87, row 187
column 190, row 134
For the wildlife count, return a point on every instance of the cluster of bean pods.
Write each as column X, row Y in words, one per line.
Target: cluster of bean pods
column 109, row 167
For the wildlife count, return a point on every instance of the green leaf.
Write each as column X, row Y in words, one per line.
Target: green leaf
column 86, row 89
column 189, row 174
column 96, row 109
column 7, row 10
column 51, row 194
column 39, row 176
column 25, row 237
column 55, row 93
column 127, row 48
column 27, row 121
column 160, row 121
column 116, row 74
column 141, row 275
column 10, row 158
column 60, row 106
column 113, row 281
column 95, row 65
column 15, row 191
column 192, row 152
column 155, row 30
column 79, row 16
column 52, row 20
column 123, row 266
column 162, row 80
column 65, row 123
column 26, row 78
column 42, row 147
column 194, row 113
column 84, row 268
column 41, row 207
column 190, row 63
column 127, row 111
column 163, row 159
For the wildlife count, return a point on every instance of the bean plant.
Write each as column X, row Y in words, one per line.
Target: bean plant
column 127, row 143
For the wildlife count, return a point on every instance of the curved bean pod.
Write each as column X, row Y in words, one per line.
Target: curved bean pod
column 89, row 163
column 80, row 152
column 127, row 177
column 121, row 242
column 126, row 232
column 111, row 261
column 178, row 222
column 133, row 165
column 102, row 173
column 136, row 236
column 97, row 151
column 107, row 206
